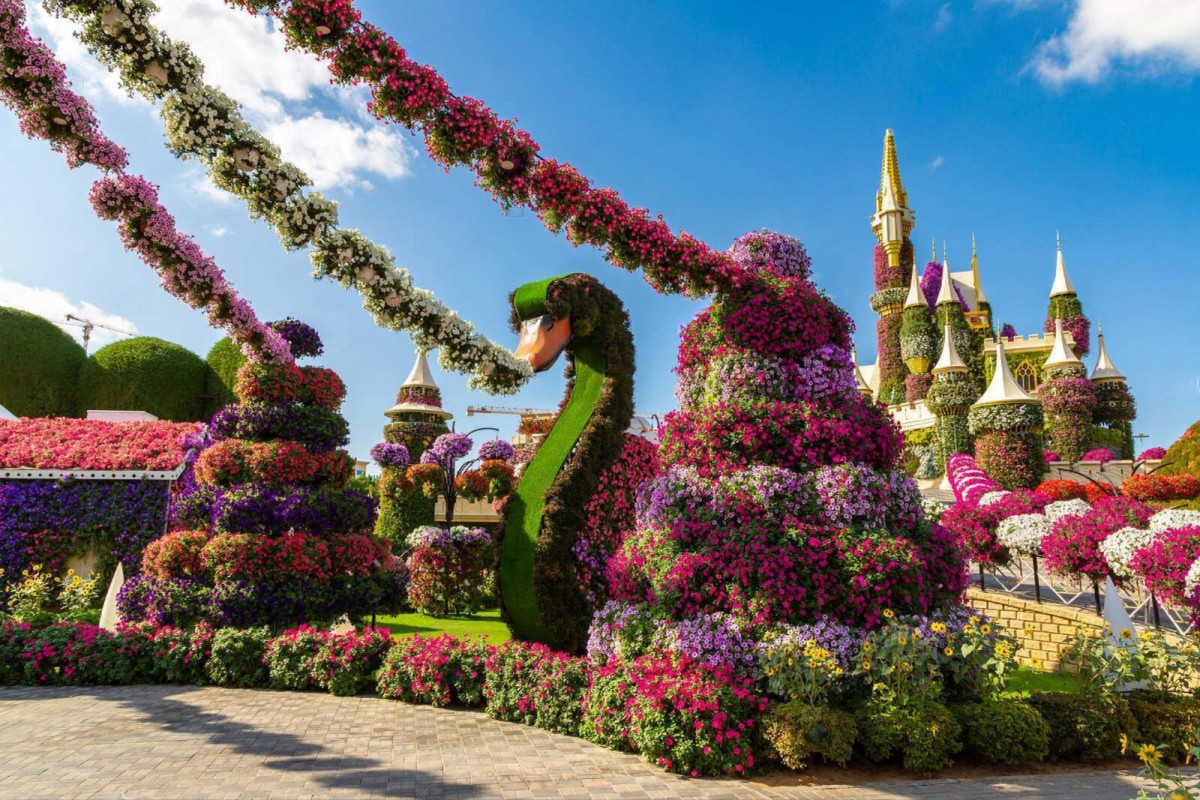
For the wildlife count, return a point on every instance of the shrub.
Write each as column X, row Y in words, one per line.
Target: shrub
column 533, row 684
column 223, row 360
column 237, row 657
column 439, row 671
column 1169, row 724
column 145, row 374
column 797, row 731
column 181, row 656
column 176, row 555
column 926, row 734
column 1084, row 726
column 1183, row 456
column 39, row 366
column 289, row 658
column 346, row 663
column 1004, row 731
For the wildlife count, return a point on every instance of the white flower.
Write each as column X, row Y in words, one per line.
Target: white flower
column 1120, row 547
column 1067, row 508
column 1192, row 579
column 992, row 497
column 1174, row 518
column 1022, row 533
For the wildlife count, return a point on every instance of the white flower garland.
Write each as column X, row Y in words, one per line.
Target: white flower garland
column 1120, row 547
column 1023, row 533
column 1067, row 508
column 204, row 123
column 993, row 497
column 1170, row 518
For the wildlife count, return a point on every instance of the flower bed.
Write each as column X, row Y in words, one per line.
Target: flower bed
column 449, row 569
column 82, row 444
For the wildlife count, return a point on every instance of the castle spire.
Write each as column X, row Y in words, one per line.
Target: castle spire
column 863, row 388
column 1104, row 372
column 946, row 293
column 893, row 220
column 949, row 361
column 1004, row 389
column 1061, row 355
column 980, row 297
column 419, row 398
column 916, row 298
column 1062, row 283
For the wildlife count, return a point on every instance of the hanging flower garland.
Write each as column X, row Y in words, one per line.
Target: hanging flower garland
column 34, row 85
column 204, row 123
column 462, row 131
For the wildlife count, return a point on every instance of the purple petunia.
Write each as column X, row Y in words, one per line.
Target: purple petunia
column 389, row 454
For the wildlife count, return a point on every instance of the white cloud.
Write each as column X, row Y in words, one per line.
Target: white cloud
column 943, row 18
column 1146, row 38
column 277, row 87
column 54, row 306
column 219, row 231
column 937, row 162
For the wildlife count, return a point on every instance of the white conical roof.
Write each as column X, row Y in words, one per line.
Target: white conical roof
column 6, row 414
column 421, row 375
column 1105, row 371
column 946, row 293
column 863, row 387
column 949, row 360
column 1060, row 354
column 1003, row 389
column 1062, row 282
column 916, row 298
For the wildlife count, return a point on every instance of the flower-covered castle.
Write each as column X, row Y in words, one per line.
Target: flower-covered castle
column 938, row 350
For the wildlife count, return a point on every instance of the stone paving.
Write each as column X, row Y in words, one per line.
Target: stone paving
column 184, row 742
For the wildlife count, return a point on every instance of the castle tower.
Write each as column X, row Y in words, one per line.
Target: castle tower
column 891, row 223
column 950, row 398
column 419, row 399
column 1007, row 423
column 1065, row 305
column 1115, row 407
column 981, row 317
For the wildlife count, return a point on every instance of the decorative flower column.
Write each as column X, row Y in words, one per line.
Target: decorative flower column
column 1065, row 305
column 950, row 398
column 894, row 257
column 1116, row 409
column 1068, row 400
column 918, row 341
column 1007, row 423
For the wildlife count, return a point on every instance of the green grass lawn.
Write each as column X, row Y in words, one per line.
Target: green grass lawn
column 485, row 623
column 1025, row 679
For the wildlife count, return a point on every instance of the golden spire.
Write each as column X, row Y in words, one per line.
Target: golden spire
column 889, row 177
column 980, row 297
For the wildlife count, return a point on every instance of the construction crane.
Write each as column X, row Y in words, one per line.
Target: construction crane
column 88, row 326
column 519, row 412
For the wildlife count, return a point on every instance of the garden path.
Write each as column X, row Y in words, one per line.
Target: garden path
column 172, row 742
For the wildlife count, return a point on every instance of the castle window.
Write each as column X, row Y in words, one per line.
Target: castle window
column 1026, row 375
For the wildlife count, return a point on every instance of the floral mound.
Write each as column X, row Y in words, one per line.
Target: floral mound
column 272, row 532
column 781, row 502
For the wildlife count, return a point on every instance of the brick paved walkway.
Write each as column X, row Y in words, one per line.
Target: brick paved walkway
column 173, row 742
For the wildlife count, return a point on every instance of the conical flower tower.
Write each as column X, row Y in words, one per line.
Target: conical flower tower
column 1065, row 305
column 950, row 398
column 918, row 340
column 894, row 259
column 1116, row 408
column 1007, row 424
column 417, row 418
column 1068, row 399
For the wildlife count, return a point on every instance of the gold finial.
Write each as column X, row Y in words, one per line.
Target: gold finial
column 980, row 297
column 890, row 174
column 945, row 258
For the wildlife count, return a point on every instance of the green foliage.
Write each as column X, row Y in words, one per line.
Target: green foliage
column 146, row 374
column 797, row 731
column 224, row 360
column 1004, row 731
column 39, row 366
column 1183, row 457
column 541, row 597
column 1064, row 306
column 926, row 734
column 237, row 658
column 1084, row 726
column 401, row 514
column 1168, row 724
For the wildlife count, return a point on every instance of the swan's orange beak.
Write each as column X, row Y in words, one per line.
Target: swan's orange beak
column 543, row 340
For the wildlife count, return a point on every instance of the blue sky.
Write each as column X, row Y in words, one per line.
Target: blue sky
column 1013, row 119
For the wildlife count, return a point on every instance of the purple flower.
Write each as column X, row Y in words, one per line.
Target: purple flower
column 496, row 449
column 768, row 251
column 457, row 536
column 304, row 339
column 450, row 447
column 387, row 454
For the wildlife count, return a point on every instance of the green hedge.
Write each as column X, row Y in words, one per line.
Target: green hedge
column 146, row 374
column 1183, row 457
column 224, row 360
column 39, row 366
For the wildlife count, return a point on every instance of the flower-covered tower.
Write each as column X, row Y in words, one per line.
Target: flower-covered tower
column 1065, row 305
column 950, row 398
column 894, row 260
column 417, row 419
column 287, row 540
column 780, row 502
column 1068, row 399
column 918, row 341
column 1007, row 424
column 1115, row 407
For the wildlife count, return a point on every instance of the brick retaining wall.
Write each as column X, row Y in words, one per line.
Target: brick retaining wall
column 1043, row 629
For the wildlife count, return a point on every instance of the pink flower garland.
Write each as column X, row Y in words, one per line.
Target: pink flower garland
column 505, row 159
column 34, row 85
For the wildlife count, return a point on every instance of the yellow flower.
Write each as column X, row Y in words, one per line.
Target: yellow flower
column 905, row 665
column 985, row 629
column 866, row 648
column 973, row 621
column 903, row 641
column 866, row 664
column 948, row 651
column 888, row 613
column 1126, row 633
column 1178, row 794
column 1148, row 753
column 917, row 633
column 938, row 627
column 1035, row 662
column 1124, row 743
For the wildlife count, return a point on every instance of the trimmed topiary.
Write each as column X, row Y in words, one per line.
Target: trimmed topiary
column 797, row 731
column 39, row 366
column 1169, row 723
column 224, row 360
column 146, row 374
column 1084, row 727
column 1004, row 731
